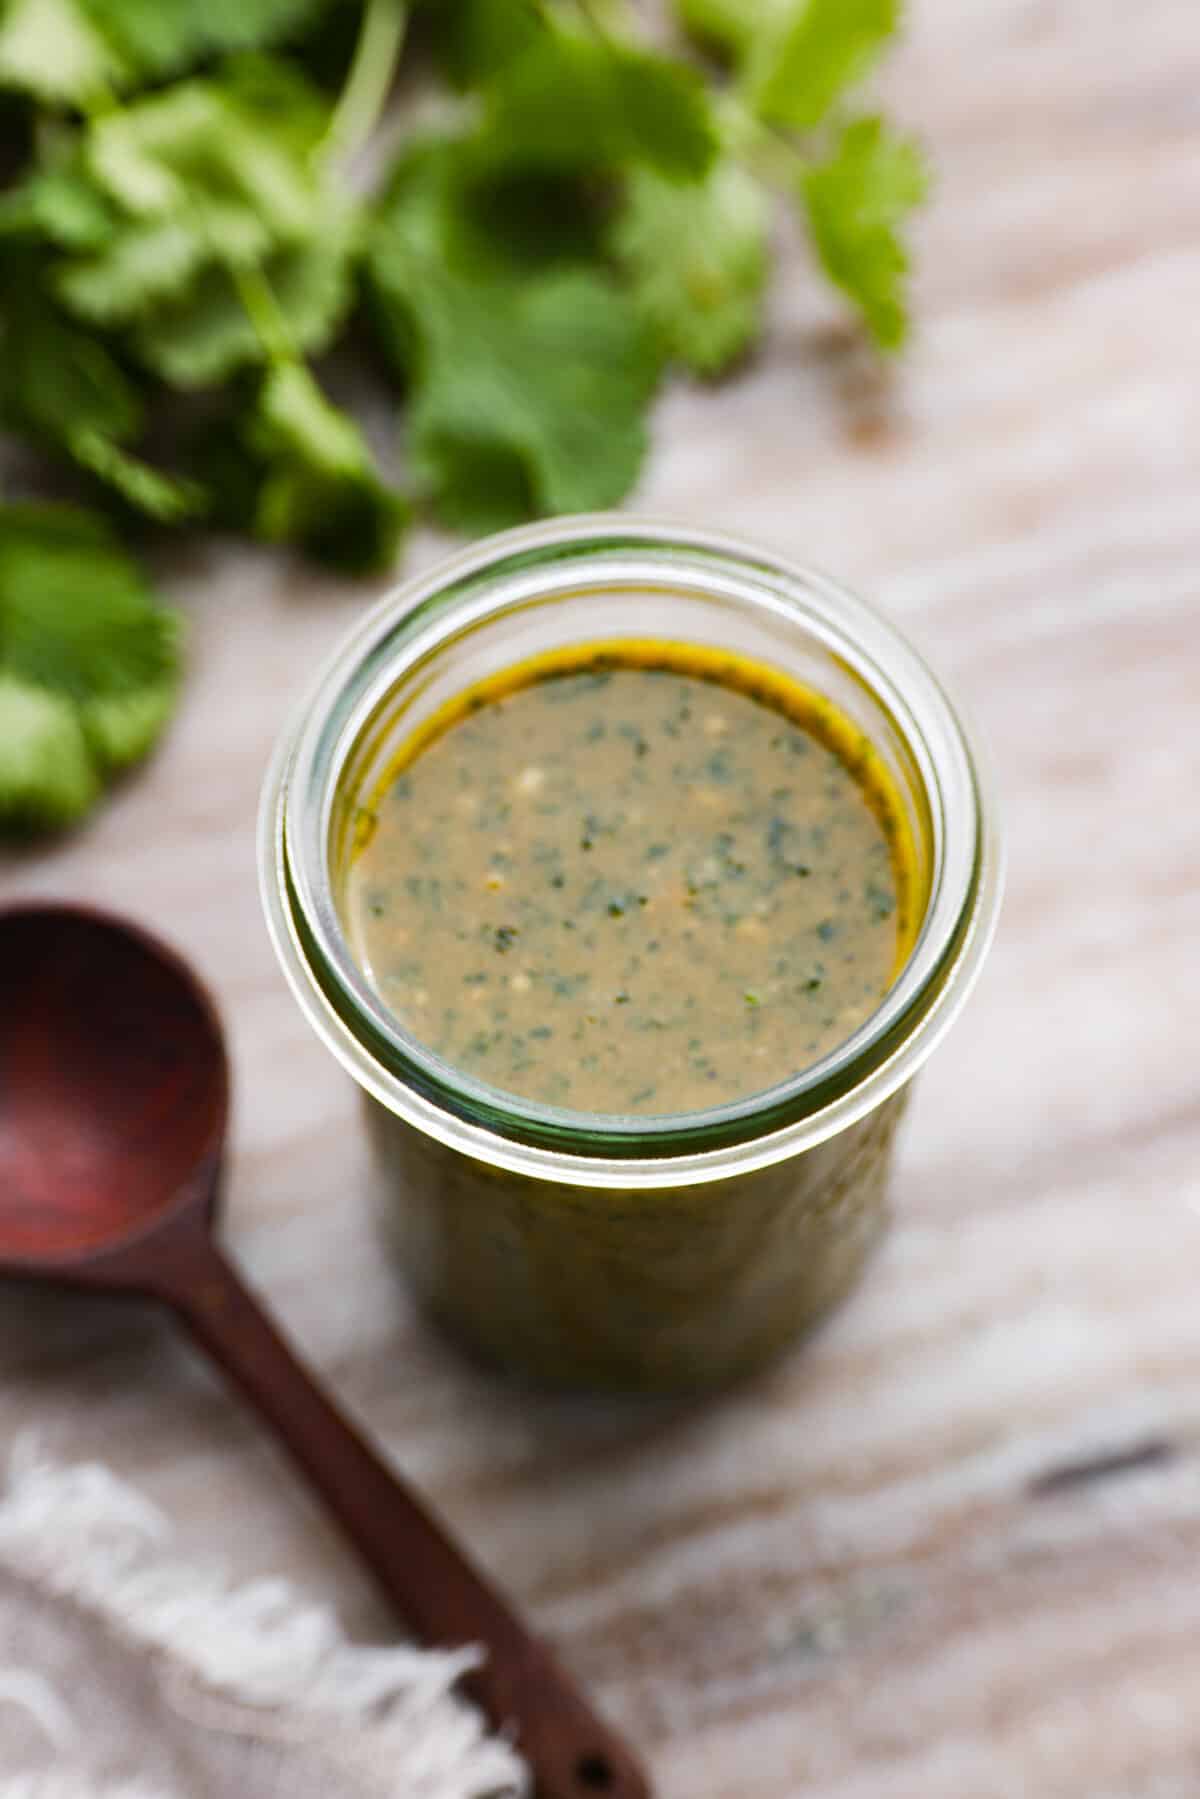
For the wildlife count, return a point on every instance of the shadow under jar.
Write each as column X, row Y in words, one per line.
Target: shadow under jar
column 603, row 1249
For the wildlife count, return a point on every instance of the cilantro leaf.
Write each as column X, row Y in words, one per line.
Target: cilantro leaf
column 161, row 37
column 75, row 612
column 855, row 201
column 61, row 385
column 696, row 256
column 204, row 182
column 726, row 27
column 196, row 176
column 139, row 265
column 810, row 51
column 527, row 391
column 55, row 378
column 52, row 50
column 530, row 396
column 121, row 728
column 571, row 102
column 320, row 488
column 280, row 99
column 197, row 151
column 474, row 39
column 58, row 204
column 70, row 52
column 203, row 334
column 47, row 777
column 88, row 663
column 450, row 197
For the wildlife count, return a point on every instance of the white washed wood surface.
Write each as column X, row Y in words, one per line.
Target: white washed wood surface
column 853, row 1578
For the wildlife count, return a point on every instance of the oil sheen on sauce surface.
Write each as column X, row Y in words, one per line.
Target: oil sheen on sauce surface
column 633, row 878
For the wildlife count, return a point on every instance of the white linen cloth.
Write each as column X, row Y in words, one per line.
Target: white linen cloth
column 126, row 1673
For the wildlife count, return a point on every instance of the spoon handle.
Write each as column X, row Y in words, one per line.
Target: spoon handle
column 444, row 1599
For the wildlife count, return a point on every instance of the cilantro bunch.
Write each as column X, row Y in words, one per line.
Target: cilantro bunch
column 186, row 237
column 89, row 663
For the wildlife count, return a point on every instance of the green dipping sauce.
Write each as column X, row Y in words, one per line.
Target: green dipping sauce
column 633, row 878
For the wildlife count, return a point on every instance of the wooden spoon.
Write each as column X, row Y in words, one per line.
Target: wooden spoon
column 114, row 1091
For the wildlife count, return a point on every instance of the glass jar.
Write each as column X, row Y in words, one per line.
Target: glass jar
column 598, row 1250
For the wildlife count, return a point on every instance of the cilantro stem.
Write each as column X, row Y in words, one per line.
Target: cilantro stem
column 264, row 312
column 362, row 99
column 608, row 18
column 770, row 153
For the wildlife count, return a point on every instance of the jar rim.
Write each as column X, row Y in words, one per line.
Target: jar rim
column 545, row 561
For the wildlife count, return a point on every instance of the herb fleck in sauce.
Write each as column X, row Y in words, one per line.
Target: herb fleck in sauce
column 645, row 878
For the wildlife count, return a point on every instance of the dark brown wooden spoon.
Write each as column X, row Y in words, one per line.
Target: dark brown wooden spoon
column 114, row 1092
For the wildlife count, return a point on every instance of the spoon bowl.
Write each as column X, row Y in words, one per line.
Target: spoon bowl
column 114, row 1087
column 114, row 1097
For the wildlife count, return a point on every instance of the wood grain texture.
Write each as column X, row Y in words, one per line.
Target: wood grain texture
column 867, row 1575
